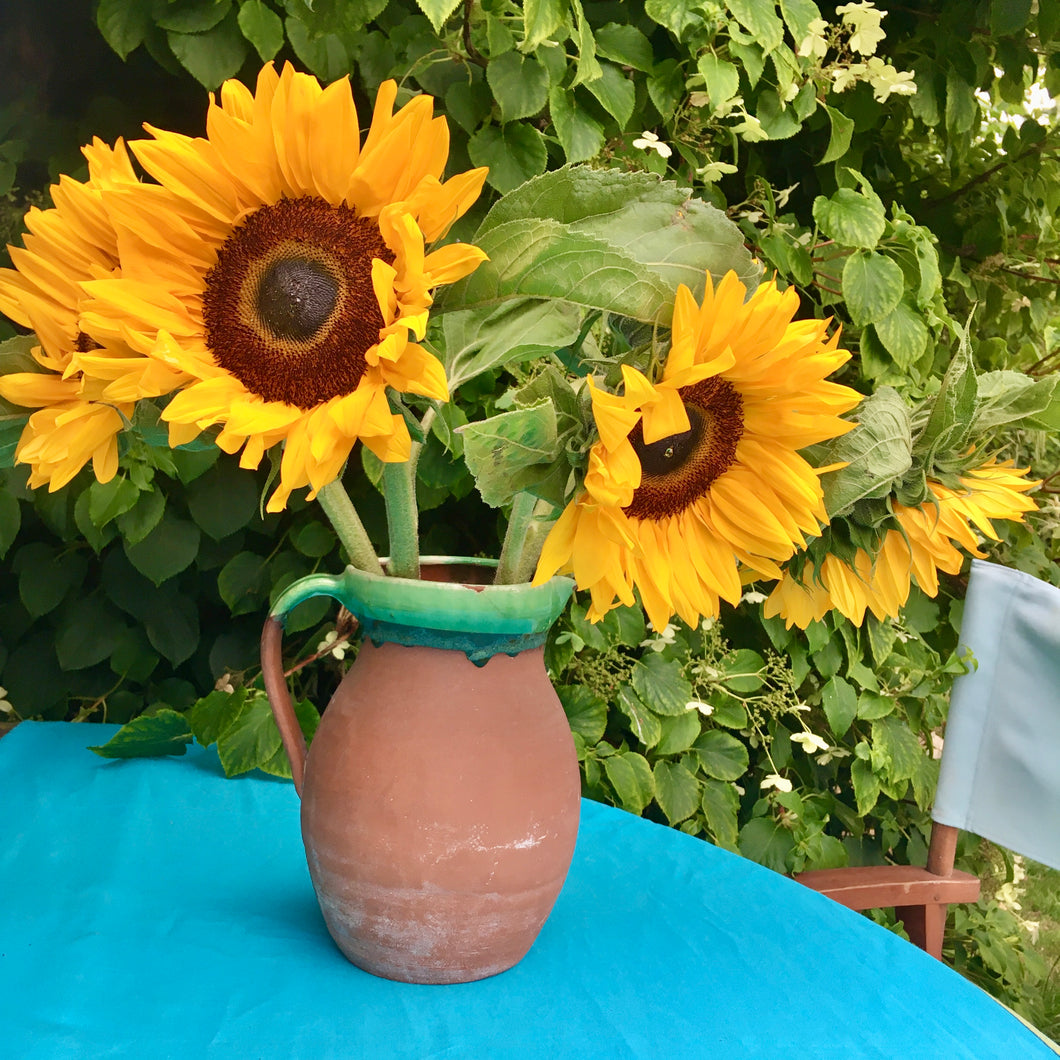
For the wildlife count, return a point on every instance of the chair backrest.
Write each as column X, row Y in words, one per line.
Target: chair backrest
column 1000, row 770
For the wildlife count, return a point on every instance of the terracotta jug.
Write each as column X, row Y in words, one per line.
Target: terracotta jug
column 440, row 796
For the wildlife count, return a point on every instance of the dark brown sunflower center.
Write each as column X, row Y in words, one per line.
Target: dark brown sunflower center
column 676, row 471
column 295, row 298
column 289, row 307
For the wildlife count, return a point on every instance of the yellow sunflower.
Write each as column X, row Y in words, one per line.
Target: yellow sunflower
column 700, row 472
column 281, row 264
column 922, row 544
column 77, row 419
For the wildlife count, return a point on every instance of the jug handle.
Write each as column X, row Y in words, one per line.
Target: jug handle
column 272, row 665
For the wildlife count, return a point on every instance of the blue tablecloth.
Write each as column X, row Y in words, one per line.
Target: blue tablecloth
column 153, row 908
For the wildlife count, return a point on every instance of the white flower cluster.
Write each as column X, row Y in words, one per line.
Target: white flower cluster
column 861, row 28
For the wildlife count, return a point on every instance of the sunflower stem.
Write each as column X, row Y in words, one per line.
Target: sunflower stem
column 529, row 522
column 402, row 518
column 347, row 524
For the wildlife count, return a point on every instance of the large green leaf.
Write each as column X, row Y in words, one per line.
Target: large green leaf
column 720, row 804
column 10, row 521
column 580, row 135
column 87, row 632
column 840, row 702
column 586, row 711
column 165, row 732
column 477, row 341
column 262, row 27
column 123, row 24
column 1012, row 397
column 877, row 451
column 167, row 550
column 643, row 722
column 601, row 239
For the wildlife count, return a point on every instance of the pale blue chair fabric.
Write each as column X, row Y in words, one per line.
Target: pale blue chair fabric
column 1000, row 771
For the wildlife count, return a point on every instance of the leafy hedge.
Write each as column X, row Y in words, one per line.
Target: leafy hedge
column 897, row 213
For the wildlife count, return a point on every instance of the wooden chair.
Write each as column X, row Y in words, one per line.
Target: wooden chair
column 998, row 776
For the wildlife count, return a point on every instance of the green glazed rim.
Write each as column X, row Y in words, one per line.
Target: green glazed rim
column 479, row 620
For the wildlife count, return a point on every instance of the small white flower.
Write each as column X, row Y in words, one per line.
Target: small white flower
column 6, row 707
column 648, row 141
column 887, row 81
column 863, row 20
column 714, row 171
column 752, row 596
column 661, row 638
column 706, row 709
column 750, row 129
column 774, row 780
column 699, row 99
column 810, row 742
column 328, row 644
column 815, row 44
column 707, row 624
column 845, row 76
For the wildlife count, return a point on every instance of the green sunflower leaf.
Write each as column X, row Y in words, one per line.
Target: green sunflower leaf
column 1011, row 397
column 498, row 450
column 601, row 239
column 877, row 452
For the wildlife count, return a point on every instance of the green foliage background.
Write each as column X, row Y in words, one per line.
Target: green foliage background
column 897, row 216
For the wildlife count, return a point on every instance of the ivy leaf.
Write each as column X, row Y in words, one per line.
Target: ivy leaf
column 768, row 842
column 213, row 56
column 721, row 806
column 872, row 286
column 877, row 451
column 839, row 141
column 615, row 93
column 679, row 733
column 625, row 45
column 519, row 84
column 123, row 24
column 165, row 551
column 896, row 748
column 86, row 633
column 851, row 218
column 676, row 791
column 905, row 334
column 514, row 153
column 659, row 683
column 250, row 738
column 839, row 699
column 645, row 725
column 165, row 732
column 438, row 11
column 262, row 27
column 541, row 19
column 586, row 711
column 632, row 778
column 759, row 18
column 722, row 78
column 10, row 521
column 721, row 755
column 866, row 786
column 797, row 15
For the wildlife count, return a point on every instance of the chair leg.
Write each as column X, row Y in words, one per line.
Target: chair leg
column 925, row 925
